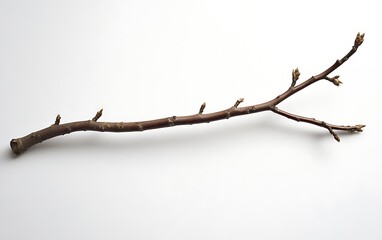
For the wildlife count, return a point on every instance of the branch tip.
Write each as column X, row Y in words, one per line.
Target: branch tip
column 336, row 137
column 202, row 107
column 97, row 116
column 335, row 80
column 357, row 128
column 58, row 118
column 359, row 39
column 240, row 100
column 295, row 76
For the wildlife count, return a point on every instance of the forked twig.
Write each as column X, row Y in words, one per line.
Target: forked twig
column 20, row 145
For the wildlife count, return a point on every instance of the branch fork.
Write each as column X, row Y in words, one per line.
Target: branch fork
column 20, row 145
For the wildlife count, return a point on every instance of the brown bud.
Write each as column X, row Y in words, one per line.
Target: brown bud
column 359, row 39
column 336, row 137
column 98, row 115
column 58, row 118
column 240, row 100
column 202, row 108
column 359, row 127
column 295, row 74
column 335, row 80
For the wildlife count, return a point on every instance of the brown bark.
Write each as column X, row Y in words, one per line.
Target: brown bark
column 20, row 145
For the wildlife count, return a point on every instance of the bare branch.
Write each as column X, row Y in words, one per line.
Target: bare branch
column 20, row 145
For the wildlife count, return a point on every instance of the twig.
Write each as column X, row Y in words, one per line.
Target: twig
column 20, row 145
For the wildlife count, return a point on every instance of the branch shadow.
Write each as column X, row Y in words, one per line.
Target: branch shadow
column 8, row 154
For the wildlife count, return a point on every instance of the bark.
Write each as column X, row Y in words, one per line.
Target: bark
column 20, row 145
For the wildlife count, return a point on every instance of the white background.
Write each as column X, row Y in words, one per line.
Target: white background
column 260, row 176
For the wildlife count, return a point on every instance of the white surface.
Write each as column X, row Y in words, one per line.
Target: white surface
column 260, row 176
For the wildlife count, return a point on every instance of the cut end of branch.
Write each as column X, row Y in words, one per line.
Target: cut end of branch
column 359, row 39
column 202, row 108
column 58, row 118
column 295, row 76
column 98, row 115
column 17, row 146
column 240, row 100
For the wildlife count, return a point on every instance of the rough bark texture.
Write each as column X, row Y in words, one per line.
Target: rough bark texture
column 20, row 145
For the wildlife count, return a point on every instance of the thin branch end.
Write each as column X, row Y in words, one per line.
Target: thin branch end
column 97, row 116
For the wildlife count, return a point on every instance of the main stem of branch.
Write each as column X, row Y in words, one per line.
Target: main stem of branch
column 20, row 145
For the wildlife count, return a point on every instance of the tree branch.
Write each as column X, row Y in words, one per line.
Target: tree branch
column 20, row 145
column 330, row 127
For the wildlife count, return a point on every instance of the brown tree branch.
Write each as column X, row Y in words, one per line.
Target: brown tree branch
column 330, row 127
column 20, row 145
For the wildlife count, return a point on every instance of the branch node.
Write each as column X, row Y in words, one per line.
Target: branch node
column 140, row 127
column 171, row 121
column 274, row 108
column 336, row 137
column 251, row 109
column 97, row 116
column 58, row 118
column 240, row 100
column 295, row 76
column 202, row 107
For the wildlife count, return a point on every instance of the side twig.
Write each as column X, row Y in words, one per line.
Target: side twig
column 20, row 145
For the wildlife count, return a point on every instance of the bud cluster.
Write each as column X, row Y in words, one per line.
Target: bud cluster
column 359, row 39
column 335, row 80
